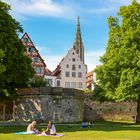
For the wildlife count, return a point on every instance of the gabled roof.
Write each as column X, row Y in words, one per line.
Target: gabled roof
column 58, row 69
column 48, row 72
column 42, row 60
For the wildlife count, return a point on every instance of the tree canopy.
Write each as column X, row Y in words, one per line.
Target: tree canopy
column 16, row 67
column 2, row 68
column 119, row 75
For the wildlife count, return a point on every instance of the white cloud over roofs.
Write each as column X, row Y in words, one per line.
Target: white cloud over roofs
column 91, row 58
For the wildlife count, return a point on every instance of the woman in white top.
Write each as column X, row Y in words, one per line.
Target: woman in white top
column 50, row 130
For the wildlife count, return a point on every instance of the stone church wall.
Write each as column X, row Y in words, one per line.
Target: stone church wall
column 42, row 104
column 110, row 111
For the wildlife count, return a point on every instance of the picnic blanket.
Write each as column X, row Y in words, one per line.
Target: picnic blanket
column 25, row 133
column 57, row 135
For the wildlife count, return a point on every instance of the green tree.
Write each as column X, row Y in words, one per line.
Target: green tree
column 2, row 68
column 18, row 68
column 119, row 75
column 38, row 82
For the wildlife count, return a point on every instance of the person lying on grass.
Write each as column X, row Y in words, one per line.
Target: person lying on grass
column 32, row 128
column 50, row 129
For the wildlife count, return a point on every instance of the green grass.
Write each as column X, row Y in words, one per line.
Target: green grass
column 99, row 131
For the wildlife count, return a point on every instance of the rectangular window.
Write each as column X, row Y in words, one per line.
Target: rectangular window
column 58, row 83
column 80, row 85
column 31, row 50
column 36, row 59
column 73, row 74
column 49, row 81
column 26, row 40
column 73, row 59
column 39, row 70
column 67, row 84
column 80, row 74
column 73, row 84
column 73, row 67
column 67, row 66
column 67, row 74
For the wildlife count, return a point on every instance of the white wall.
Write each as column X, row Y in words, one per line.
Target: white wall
column 53, row 78
column 68, row 60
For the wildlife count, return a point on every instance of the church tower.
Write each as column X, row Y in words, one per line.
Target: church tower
column 78, row 44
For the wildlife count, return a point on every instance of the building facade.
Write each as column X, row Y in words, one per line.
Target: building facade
column 71, row 71
column 90, row 79
column 31, row 51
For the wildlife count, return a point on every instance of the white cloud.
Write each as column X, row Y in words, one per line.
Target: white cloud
column 122, row 2
column 52, row 61
column 92, row 59
column 110, row 6
column 102, row 10
column 24, row 8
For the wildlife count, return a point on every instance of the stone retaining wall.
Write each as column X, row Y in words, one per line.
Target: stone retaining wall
column 64, row 105
column 57, row 104
column 124, row 111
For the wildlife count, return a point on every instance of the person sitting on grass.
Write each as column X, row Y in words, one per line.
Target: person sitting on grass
column 86, row 124
column 32, row 128
column 89, row 124
column 50, row 130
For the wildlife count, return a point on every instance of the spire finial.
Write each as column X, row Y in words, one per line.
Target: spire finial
column 78, row 20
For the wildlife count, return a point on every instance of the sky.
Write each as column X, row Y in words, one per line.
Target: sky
column 51, row 25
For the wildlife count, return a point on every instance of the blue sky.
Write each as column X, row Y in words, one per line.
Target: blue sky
column 51, row 24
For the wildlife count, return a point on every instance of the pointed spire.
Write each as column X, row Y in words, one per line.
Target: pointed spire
column 78, row 38
column 78, row 45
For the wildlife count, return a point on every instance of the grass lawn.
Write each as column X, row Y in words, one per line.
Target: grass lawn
column 99, row 131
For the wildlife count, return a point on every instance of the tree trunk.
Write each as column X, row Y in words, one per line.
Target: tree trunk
column 138, row 112
column 4, row 112
column 14, row 110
